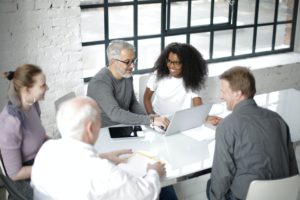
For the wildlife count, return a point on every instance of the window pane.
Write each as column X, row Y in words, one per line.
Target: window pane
column 244, row 40
column 266, row 11
column 201, row 42
column 222, row 48
column 283, row 36
column 285, row 11
column 120, row 21
column 92, row 26
column 246, row 12
column 149, row 19
column 264, row 38
column 221, row 12
column 200, row 12
column 178, row 15
column 149, row 50
column 176, row 38
column 93, row 59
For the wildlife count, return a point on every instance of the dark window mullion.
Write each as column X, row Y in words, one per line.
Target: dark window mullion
column 189, row 18
column 211, row 43
column 234, row 20
column 164, row 18
column 294, row 24
column 106, row 27
column 275, row 25
column 135, row 30
column 255, row 26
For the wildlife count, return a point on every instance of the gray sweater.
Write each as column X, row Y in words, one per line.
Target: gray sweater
column 116, row 99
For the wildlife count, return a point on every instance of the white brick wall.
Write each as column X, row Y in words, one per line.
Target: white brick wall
column 45, row 33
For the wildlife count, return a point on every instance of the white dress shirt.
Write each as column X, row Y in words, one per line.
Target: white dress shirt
column 70, row 169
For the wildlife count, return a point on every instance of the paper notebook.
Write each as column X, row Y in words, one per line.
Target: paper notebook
column 137, row 163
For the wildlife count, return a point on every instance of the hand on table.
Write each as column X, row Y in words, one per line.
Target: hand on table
column 214, row 120
column 158, row 167
column 114, row 156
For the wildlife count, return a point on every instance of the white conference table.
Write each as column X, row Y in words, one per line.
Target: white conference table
column 184, row 153
column 190, row 153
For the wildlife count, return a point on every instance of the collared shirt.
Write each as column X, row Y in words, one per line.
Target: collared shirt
column 252, row 143
column 70, row 169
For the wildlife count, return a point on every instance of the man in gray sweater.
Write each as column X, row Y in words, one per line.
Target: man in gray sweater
column 112, row 89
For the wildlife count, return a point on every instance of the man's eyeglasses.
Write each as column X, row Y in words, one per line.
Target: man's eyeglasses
column 128, row 62
column 176, row 64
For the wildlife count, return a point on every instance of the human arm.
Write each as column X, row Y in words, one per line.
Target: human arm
column 292, row 158
column 114, row 156
column 147, row 101
column 10, row 144
column 223, row 168
column 102, row 92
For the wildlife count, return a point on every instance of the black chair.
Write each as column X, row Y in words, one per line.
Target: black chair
column 11, row 189
column 10, row 185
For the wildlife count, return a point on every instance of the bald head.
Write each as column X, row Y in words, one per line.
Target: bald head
column 78, row 116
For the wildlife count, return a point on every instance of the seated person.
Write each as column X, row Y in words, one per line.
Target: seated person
column 112, row 89
column 70, row 167
column 22, row 133
column 252, row 143
column 179, row 74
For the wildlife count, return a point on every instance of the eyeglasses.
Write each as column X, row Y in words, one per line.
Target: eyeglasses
column 176, row 64
column 128, row 62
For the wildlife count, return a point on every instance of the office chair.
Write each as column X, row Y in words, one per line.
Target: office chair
column 62, row 99
column 286, row 188
column 9, row 184
column 11, row 188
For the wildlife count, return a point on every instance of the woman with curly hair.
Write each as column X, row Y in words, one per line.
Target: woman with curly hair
column 179, row 73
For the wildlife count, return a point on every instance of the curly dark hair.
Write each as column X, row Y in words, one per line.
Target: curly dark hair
column 194, row 67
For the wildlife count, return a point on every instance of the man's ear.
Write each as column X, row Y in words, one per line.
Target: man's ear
column 89, row 131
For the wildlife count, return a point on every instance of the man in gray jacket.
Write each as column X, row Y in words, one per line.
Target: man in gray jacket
column 252, row 143
column 112, row 89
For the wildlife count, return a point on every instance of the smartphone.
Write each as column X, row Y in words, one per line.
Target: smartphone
column 126, row 132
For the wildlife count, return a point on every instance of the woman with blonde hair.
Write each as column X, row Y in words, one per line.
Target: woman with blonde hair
column 22, row 133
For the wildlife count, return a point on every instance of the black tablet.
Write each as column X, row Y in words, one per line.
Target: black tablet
column 126, row 132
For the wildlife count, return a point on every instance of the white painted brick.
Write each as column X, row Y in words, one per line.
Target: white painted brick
column 59, row 22
column 8, row 7
column 58, row 3
column 73, row 12
column 26, row 5
column 72, row 3
column 42, row 4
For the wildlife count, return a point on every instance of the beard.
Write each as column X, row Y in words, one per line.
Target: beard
column 122, row 72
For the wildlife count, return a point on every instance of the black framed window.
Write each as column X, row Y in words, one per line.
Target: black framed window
column 220, row 29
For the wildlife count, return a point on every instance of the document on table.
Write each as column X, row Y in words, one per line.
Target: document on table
column 201, row 133
column 137, row 163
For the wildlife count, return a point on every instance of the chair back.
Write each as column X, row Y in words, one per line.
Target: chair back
column 2, row 166
column 11, row 188
column 143, row 79
column 62, row 99
column 286, row 188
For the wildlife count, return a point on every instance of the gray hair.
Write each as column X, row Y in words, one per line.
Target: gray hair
column 71, row 118
column 114, row 49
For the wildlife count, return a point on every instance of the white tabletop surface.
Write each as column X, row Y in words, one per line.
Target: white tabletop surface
column 192, row 151
column 184, row 153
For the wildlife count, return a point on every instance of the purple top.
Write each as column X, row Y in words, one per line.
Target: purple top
column 20, row 141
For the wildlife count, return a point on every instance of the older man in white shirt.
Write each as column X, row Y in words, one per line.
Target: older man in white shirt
column 70, row 167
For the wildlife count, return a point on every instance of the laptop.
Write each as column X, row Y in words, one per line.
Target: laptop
column 187, row 119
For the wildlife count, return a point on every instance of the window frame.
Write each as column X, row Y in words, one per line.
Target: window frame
column 188, row 30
